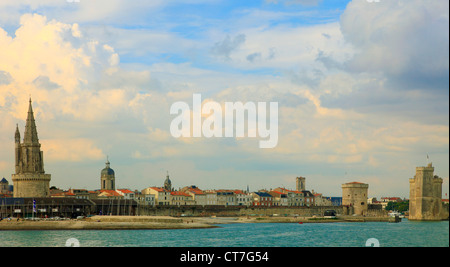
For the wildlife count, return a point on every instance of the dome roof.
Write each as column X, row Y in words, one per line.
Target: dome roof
column 107, row 170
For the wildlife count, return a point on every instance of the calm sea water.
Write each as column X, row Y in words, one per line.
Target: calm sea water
column 404, row 234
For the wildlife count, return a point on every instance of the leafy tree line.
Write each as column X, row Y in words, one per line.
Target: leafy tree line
column 398, row 206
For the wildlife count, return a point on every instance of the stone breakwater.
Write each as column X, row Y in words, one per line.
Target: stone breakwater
column 166, row 222
column 106, row 223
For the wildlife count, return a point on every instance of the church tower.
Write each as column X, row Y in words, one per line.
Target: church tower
column 107, row 178
column 168, row 183
column 30, row 179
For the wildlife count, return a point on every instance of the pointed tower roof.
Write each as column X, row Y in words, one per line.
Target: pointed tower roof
column 30, row 135
column 17, row 134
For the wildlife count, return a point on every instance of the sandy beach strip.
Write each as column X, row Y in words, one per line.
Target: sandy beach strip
column 107, row 223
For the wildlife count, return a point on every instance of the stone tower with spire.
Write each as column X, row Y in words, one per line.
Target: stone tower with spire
column 30, row 179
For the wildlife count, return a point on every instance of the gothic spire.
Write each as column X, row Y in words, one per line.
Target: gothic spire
column 17, row 134
column 30, row 135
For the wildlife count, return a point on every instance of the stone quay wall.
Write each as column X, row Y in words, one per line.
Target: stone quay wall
column 236, row 211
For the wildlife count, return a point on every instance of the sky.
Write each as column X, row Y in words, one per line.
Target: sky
column 362, row 90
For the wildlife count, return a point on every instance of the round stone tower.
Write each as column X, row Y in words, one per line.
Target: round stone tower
column 354, row 198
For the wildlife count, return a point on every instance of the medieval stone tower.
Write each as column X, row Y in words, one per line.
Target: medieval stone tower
column 354, row 198
column 30, row 179
column 107, row 178
column 425, row 195
column 300, row 183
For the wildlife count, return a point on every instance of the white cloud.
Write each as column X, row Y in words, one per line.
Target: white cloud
column 50, row 56
column 399, row 37
column 225, row 47
column 70, row 150
column 283, row 47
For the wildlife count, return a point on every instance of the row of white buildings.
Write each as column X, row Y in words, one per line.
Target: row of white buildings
column 192, row 195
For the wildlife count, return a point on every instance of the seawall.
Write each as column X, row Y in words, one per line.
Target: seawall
column 237, row 211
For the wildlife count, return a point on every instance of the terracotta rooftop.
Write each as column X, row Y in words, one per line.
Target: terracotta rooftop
column 125, row 191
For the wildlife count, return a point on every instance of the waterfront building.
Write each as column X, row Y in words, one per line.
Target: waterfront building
column 82, row 193
column 109, row 194
column 145, row 200
column 294, row 198
column 279, row 199
column 263, row 199
column 391, row 199
column 225, row 198
column 107, row 178
column 425, row 196
column 178, row 198
column 309, row 199
column 354, row 198
column 243, row 198
column 30, row 179
column 320, row 200
column 162, row 195
column 126, row 193
column 197, row 194
column 211, row 197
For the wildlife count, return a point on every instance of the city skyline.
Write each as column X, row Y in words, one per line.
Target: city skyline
column 362, row 90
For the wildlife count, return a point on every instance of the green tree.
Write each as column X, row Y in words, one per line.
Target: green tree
column 401, row 206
